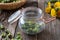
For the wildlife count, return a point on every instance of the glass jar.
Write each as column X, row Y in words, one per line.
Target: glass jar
column 29, row 22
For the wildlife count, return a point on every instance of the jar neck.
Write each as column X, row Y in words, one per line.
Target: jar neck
column 31, row 13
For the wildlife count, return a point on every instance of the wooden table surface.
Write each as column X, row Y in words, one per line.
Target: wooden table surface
column 51, row 31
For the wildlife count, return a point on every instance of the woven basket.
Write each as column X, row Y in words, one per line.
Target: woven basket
column 12, row 5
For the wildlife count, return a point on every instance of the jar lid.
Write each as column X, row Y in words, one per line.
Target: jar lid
column 14, row 17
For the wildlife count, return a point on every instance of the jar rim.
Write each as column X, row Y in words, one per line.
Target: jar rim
column 33, row 9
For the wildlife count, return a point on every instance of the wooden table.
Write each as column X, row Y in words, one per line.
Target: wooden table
column 51, row 31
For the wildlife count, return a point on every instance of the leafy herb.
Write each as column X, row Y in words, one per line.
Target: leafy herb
column 30, row 27
column 7, row 35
